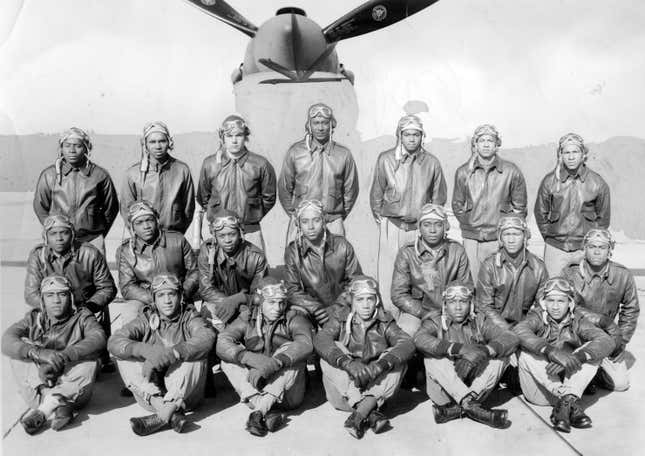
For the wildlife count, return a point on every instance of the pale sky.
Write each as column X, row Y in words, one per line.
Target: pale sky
column 536, row 69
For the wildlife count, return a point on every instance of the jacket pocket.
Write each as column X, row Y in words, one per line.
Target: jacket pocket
column 253, row 210
column 555, row 209
column 505, row 207
column 589, row 211
column 392, row 195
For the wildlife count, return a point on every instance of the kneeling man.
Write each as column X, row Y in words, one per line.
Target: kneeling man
column 466, row 354
column 54, row 355
column 363, row 355
column 162, row 357
column 264, row 356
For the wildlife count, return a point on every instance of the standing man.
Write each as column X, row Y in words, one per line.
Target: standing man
column 318, row 168
column 319, row 264
column 54, row 355
column 424, row 267
column 150, row 251
column 82, row 264
column 162, row 357
column 78, row 188
column 486, row 188
column 608, row 289
column 160, row 179
column 405, row 178
column 237, row 179
column 230, row 268
column 571, row 200
column 466, row 354
column 264, row 356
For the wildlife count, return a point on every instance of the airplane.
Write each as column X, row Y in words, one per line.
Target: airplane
column 295, row 46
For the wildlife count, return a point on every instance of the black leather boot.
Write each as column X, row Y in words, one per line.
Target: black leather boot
column 256, row 424
column 560, row 416
column 33, row 422
column 445, row 413
column 377, row 421
column 178, row 422
column 275, row 421
column 578, row 418
column 473, row 409
column 355, row 425
column 146, row 425
column 62, row 417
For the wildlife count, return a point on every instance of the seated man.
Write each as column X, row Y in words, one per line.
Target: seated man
column 161, row 356
column 80, row 263
column 319, row 264
column 152, row 250
column 466, row 353
column 560, row 354
column 363, row 355
column 54, row 355
column 264, row 357
column 608, row 289
column 424, row 267
column 509, row 280
column 229, row 267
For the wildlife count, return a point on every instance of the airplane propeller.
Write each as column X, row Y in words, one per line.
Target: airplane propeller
column 221, row 10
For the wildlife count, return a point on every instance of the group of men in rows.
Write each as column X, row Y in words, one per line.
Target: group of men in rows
column 184, row 313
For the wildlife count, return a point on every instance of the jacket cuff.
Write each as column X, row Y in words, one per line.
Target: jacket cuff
column 239, row 356
column 454, row 349
column 23, row 352
column 182, row 350
column 70, row 355
column 497, row 347
column 605, row 322
column 283, row 359
column 442, row 348
column 342, row 359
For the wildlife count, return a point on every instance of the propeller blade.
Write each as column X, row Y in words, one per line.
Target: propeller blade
column 373, row 15
column 321, row 57
column 221, row 10
column 275, row 66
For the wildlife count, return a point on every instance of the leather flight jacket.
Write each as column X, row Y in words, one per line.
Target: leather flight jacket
column 610, row 293
column 246, row 186
column 244, row 334
column 420, row 275
column 365, row 342
column 168, row 187
column 86, row 195
column 327, row 174
column 187, row 333
column 433, row 340
column 574, row 330
column 140, row 262
column 505, row 293
column 566, row 208
column 400, row 188
column 482, row 195
column 85, row 268
column 221, row 275
column 314, row 281
column 78, row 336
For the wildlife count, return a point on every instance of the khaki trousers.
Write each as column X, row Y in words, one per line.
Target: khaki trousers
column 408, row 323
column 75, row 384
column 444, row 386
column 614, row 375
column 477, row 252
column 556, row 259
column 540, row 388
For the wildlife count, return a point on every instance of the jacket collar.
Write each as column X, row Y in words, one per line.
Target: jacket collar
column 502, row 257
column 159, row 242
column 581, row 173
column 86, row 169
column 421, row 247
column 163, row 166
column 317, row 147
column 607, row 273
column 328, row 245
column 226, row 158
column 223, row 257
column 495, row 164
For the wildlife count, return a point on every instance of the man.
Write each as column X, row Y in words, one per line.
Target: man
column 363, row 355
column 54, row 355
column 81, row 263
column 405, row 178
column 78, row 188
column 236, row 179
column 608, row 289
column 571, row 200
column 424, row 267
column 319, row 168
column 486, row 188
column 264, row 357
column 466, row 354
column 149, row 251
column 560, row 354
column 319, row 264
column 230, row 267
column 509, row 280
column 162, row 357
column 160, row 179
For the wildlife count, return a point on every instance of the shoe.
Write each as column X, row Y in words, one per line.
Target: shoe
column 578, row 418
column 256, row 424
column 377, row 421
column 275, row 421
column 591, row 389
column 355, row 425
column 108, row 366
column 445, row 413
column 560, row 416
column 496, row 418
column 62, row 416
column 33, row 422
column 146, row 425
column 178, row 421
column 125, row 392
